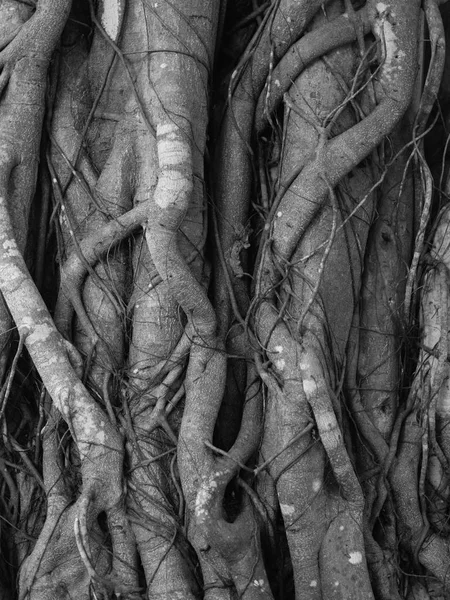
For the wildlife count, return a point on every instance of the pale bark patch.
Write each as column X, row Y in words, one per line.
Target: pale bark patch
column 93, row 434
column 40, row 333
column 110, row 17
column 355, row 558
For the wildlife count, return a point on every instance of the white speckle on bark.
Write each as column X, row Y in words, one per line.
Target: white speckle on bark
column 336, row 583
column 259, row 583
column 280, row 364
column 287, row 509
column 279, row 214
column 316, row 485
column 313, row 583
column 341, row 528
column 109, row 17
column 163, row 65
column 355, row 558
column 278, row 349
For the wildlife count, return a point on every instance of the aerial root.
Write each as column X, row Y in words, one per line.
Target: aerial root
column 299, row 56
column 122, row 582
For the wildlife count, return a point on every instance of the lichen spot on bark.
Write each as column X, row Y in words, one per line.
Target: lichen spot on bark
column 313, row 583
column 316, row 485
column 309, row 385
column 10, row 247
column 384, row 30
column 287, row 509
column 52, row 360
column 9, row 273
column 327, row 423
column 355, row 558
column 40, row 333
column 203, row 498
column 92, row 432
column 280, row 364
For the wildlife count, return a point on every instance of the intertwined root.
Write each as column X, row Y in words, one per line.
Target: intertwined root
column 128, row 142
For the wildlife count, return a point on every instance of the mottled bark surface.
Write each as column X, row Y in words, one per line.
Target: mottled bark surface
column 224, row 277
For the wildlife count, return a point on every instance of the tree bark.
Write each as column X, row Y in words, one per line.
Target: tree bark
column 224, row 282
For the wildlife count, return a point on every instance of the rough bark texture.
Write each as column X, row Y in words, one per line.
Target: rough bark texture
column 224, row 277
